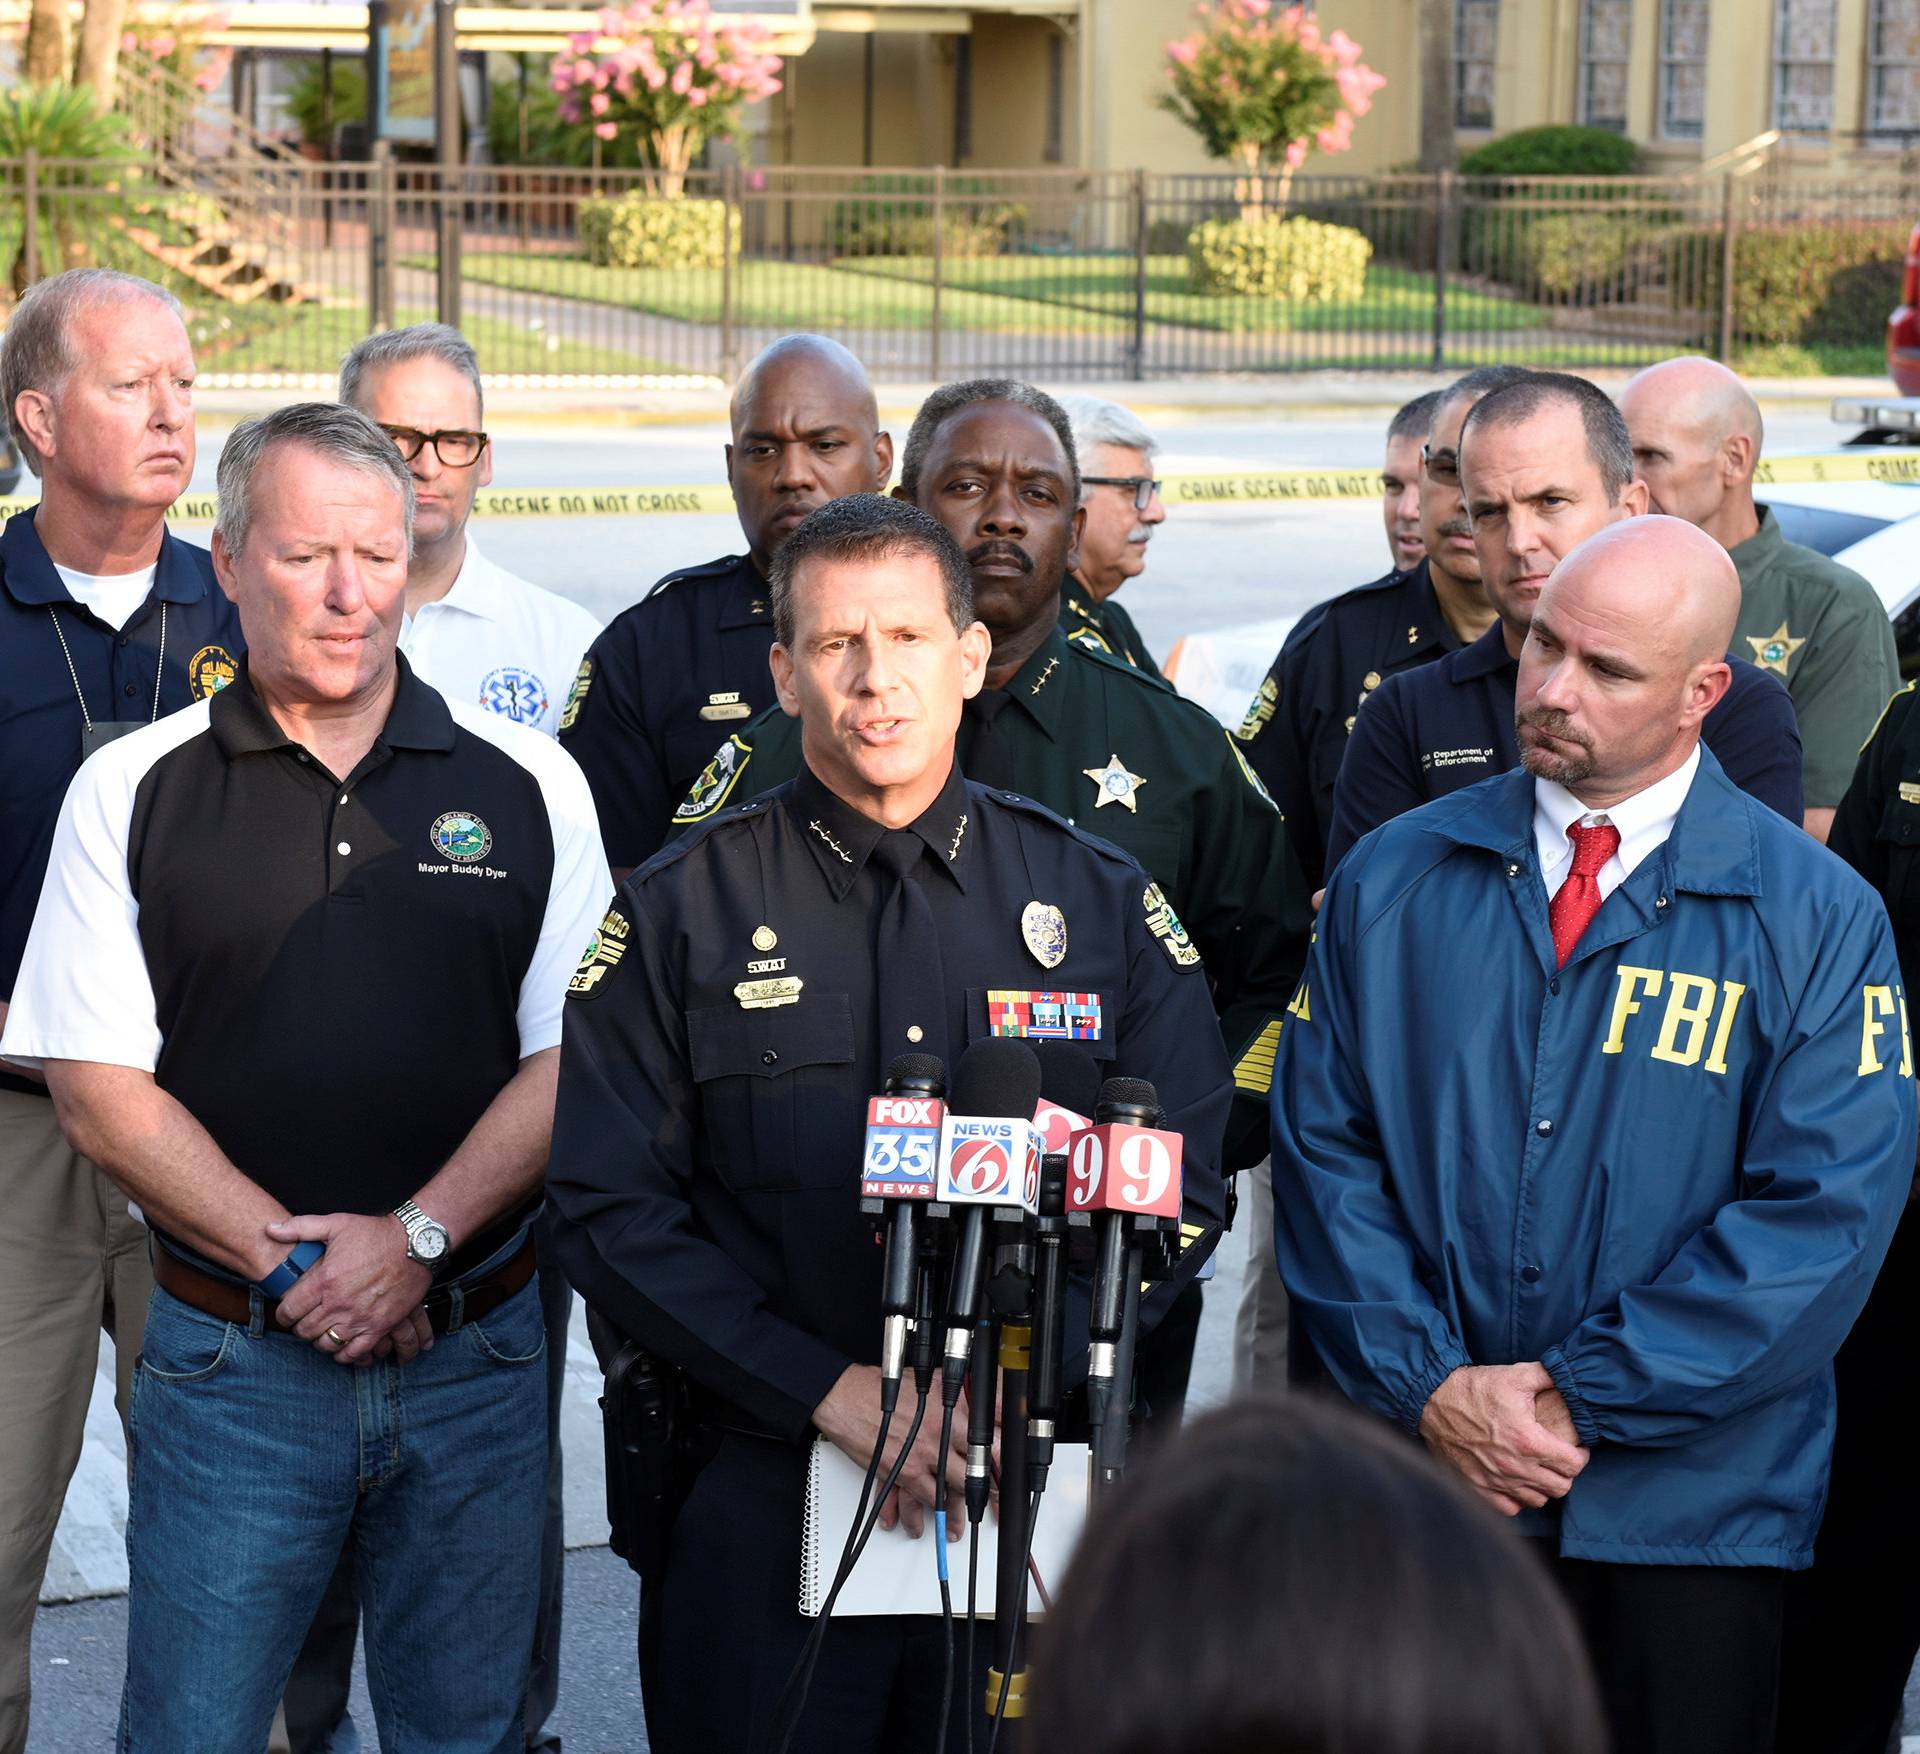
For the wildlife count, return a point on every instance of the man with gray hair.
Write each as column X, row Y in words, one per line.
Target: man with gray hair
column 478, row 634
column 258, row 917
column 1817, row 625
column 1123, row 510
column 106, row 624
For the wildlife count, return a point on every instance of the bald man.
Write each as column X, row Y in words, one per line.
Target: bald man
column 1585, row 1189
column 670, row 677
column 1819, row 626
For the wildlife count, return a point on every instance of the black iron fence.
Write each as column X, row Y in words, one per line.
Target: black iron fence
column 929, row 274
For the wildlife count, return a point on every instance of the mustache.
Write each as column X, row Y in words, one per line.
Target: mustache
column 1556, row 724
column 1457, row 527
column 1000, row 551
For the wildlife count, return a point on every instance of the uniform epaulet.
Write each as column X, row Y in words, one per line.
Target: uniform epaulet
column 693, row 834
column 1022, row 805
column 1145, row 679
column 1905, row 688
column 707, row 570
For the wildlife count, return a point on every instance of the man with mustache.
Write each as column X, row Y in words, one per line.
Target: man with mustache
column 1124, row 508
column 107, row 623
column 1096, row 741
column 1590, row 1201
column 667, row 677
column 1545, row 464
column 1339, row 652
column 1814, row 623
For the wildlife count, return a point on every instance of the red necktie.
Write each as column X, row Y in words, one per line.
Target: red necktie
column 1578, row 899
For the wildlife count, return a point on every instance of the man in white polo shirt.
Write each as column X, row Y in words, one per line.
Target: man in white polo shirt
column 473, row 630
column 484, row 637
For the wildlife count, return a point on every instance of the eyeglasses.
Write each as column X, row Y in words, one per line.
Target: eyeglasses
column 457, row 450
column 1144, row 486
column 1445, row 467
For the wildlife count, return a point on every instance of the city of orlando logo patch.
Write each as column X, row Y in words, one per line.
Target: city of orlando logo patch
column 462, row 836
column 209, row 670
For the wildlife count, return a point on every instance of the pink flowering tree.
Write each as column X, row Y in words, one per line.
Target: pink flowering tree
column 1263, row 86
column 667, row 74
column 178, row 45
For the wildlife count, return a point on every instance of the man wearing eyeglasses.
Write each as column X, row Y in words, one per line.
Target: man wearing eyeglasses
column 472, row 629
column 1123, row 511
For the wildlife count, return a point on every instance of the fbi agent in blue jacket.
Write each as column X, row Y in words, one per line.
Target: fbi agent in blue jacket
column 1586, row 1189
column 738, row 1006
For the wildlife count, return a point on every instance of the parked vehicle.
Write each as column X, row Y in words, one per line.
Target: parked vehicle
column 1903, row 327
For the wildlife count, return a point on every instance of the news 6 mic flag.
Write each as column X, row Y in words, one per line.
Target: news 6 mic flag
column 989, row 1160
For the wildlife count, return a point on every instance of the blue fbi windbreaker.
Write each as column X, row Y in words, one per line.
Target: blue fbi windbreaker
column 1667, row 1171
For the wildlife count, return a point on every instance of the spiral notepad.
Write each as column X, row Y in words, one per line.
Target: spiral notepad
column 896, row 1574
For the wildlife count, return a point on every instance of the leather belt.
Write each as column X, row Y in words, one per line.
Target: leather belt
column 229, row 1301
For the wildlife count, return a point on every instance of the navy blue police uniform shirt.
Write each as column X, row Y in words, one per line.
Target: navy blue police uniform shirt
column 1295, row 732
column 116, row 671
column 703, row 1189
column 335, row 975
column 1450, row 725
column 662, row 685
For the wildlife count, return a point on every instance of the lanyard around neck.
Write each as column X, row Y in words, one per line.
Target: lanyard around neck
column 159, row 667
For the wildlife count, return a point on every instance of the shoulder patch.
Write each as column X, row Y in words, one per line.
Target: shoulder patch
column 577, row 694
column 1260, row 713
column 601, row 957
column 1165, row 925
column 716, row 782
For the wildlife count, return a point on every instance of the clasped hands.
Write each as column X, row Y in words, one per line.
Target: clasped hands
column 365, row 1292
column 1505, row 1429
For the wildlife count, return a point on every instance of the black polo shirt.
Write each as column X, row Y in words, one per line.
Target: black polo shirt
column 334, row 976
column 117, row 673
column 660, row 687
column 704, row 1185
column 1449, row 725
column 1337, row 654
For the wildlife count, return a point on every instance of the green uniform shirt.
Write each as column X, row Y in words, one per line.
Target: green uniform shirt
column 1821, row 629
column 1124, row 757
column 1102, row 627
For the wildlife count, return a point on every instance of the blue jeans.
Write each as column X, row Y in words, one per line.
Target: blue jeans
column 255, row 1459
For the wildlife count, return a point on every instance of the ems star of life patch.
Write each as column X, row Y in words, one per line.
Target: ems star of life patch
column 1055, row 1016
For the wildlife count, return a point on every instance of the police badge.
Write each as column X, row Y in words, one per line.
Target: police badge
column 1045, row 929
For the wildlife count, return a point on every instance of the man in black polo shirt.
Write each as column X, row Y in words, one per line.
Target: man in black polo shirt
column 1546, row 463
column 672, row 675
column 106, row 623
column 263, row 922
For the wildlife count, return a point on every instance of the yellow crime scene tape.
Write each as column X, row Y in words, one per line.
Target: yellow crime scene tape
column 1251, row 487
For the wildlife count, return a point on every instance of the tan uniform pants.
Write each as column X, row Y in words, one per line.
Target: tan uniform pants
column 1260, row 1326
column 73, row 1263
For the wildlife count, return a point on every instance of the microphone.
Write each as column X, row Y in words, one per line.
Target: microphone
column 897, row 1170
column 1124, row 1172
column 989, row 1156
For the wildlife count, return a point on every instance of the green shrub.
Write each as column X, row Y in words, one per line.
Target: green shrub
column 1581, row 256
column 893, row 216
column 647, row 231
column 1297, row 259
column 1809, row 284
column 1554, row 152
column 307, row 100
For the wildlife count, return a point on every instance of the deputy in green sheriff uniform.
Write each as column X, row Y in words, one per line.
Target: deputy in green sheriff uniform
column 1108, row 748
column 1817, row 625
column 1123, row 509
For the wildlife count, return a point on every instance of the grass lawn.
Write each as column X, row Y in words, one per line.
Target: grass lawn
column 1396, row 299
column 311, row 337
column 777, row 295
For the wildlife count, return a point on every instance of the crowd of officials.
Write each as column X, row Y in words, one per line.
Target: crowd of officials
column 1534, row 952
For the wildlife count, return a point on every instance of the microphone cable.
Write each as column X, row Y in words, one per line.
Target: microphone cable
column 1020, row 1609
column 866, row 1516
column 940, row 1559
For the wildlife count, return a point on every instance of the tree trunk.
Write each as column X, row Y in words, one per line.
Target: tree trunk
column 101, row 26
column 1437, row 98
column 49, row 47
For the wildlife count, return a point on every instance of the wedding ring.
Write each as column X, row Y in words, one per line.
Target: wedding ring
column 337, row 1339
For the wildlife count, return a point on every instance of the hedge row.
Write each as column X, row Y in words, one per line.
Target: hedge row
column 648, row 231
column 1812, row 282
column 1298, row 259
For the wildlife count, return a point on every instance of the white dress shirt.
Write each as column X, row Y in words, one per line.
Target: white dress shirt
column 1644, row 821
column 496, row 642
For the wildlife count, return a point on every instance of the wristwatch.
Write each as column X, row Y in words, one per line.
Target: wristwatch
column 426, row 1237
